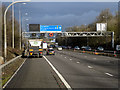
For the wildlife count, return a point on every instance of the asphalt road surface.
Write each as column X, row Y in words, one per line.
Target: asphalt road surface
column 35, row 73
column 81, row 71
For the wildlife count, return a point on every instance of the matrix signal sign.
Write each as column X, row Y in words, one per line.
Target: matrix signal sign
column 34, row 27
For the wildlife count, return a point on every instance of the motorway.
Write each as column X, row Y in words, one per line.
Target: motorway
column 81, row 71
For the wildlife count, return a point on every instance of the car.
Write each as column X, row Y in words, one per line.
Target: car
column 65, row 47
column 83, row 47
column 86, row 48
column 50, row 52
column 76, row 48
column 59, row 48
column 69, row 47
column 100, row 48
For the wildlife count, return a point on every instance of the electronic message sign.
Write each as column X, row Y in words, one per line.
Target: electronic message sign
column 34, row 27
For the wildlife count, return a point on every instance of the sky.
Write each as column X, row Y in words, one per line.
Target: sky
column 66, row 14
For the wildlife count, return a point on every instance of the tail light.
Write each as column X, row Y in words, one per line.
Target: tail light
column 30, row 53
column 40, row 52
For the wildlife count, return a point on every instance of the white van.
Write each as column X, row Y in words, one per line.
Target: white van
column 117, row 47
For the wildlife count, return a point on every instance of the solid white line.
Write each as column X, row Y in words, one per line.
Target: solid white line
column 109, row 74
column 14, row 74
column 60, row 76
column 90, row 67
column 70, row 59
column 65, row 57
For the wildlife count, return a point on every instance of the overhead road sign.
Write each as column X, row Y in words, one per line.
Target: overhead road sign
column 34, row 27
column 101, row 26
column 50, row 28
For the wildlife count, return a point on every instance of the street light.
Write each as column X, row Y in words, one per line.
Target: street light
column 87, row 33
column 26, row 13
column 24, row 3
column 13, row 21
column 20, row 31
column 5, row 35
column 106, row 29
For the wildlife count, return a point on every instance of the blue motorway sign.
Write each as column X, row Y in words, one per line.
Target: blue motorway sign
column 50, row 28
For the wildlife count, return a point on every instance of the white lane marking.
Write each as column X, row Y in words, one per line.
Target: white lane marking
column 109, row 74
column 90, row 67
column 85, row 56
column 60, row 75
column 14, row 74
column 61, row 55
column 70, row 59
column 94, row 58
column 65, row 57
column 78, row 62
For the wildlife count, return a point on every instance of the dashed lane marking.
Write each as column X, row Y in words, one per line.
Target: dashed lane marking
column 85, row 56
column 109, row 74
column 94, row 58
column 78, row 62
column 90, row 67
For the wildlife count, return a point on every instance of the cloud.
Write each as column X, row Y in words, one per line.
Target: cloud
column 68, row 19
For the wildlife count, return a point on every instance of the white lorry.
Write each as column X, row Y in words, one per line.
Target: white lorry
column 34, row 48
column 45, row 46
column 117, row 47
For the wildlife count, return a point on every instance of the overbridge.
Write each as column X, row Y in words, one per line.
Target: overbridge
column 73, row 34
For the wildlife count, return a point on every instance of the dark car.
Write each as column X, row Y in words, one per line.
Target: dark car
column 69, row 47
column 50, row 52
column 64, row 47
column 86, row 48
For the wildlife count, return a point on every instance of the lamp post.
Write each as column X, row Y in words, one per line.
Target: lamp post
column 20, row 26
column 87, row 33
column 20, row 29
column 23, row 25
column 13, row 24
column 5, row 34
column 106, row 29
